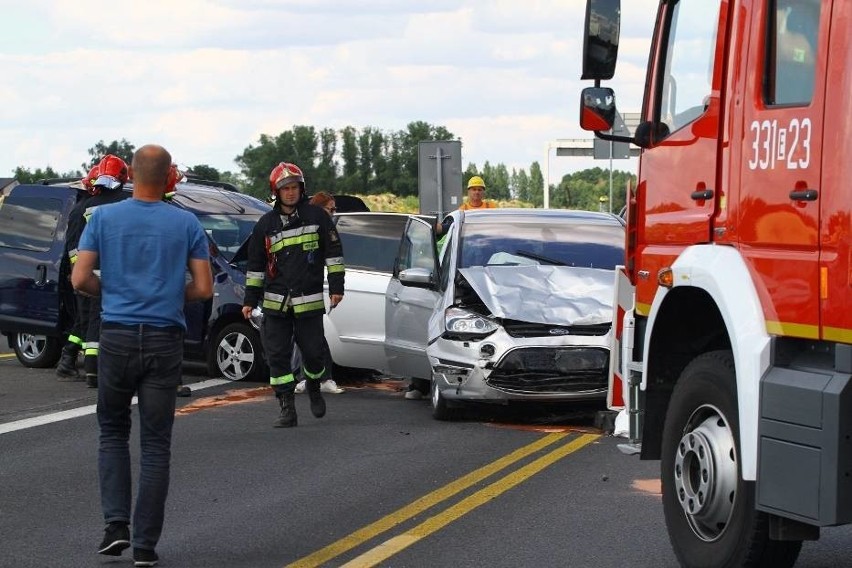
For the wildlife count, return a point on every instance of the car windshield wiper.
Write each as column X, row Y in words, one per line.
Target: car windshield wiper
column 540, row 258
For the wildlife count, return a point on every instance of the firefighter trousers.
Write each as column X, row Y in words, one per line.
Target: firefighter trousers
column 278, row 333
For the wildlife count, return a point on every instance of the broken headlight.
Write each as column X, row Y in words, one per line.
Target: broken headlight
column 468, row 325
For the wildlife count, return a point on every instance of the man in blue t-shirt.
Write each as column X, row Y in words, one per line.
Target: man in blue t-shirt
column 144, row 247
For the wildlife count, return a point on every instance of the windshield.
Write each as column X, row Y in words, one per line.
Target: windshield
column 228, row 231
column 562, row 244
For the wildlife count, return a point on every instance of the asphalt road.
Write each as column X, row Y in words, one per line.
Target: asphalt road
column 377, row 482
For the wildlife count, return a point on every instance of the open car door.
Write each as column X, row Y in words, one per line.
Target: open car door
column 411, row 298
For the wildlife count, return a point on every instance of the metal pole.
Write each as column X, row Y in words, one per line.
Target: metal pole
column 547, row 177
column 441, row 185
column 611, row 148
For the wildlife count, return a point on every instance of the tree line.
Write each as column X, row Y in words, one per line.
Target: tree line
column 370, row 161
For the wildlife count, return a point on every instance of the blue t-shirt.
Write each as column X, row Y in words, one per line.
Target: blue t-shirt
column 143, row 251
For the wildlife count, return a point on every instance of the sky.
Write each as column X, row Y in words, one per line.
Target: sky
column 205, row 78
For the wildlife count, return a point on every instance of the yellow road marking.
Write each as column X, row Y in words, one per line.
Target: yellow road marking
column 6, row 355
column 416, row 507
column 396, row 544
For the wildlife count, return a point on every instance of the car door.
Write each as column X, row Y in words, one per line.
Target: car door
column 33, row 220
column 355, row 329
column 408, row 309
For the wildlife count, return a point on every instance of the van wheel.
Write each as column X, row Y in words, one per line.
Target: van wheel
column 37, row 351
column 440, row 410
column 237, row 355
column 709, row 509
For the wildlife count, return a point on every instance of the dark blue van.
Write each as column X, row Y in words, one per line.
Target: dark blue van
column 37, row 302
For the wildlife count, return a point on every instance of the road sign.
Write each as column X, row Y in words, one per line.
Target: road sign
column 439, row 176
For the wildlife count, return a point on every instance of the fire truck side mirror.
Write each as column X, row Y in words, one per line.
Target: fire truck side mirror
column 649, row 134
column 600, row 39
column 597, row 109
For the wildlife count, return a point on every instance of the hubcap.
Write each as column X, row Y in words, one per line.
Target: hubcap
column 31, row 346
column 705, row 473
column 235, row 356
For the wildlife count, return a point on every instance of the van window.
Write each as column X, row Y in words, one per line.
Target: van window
column 791, row 58
column 29, row 223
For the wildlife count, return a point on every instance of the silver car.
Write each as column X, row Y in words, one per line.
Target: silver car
column 513, row 304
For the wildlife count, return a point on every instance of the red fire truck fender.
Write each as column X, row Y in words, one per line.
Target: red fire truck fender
column 722, row 273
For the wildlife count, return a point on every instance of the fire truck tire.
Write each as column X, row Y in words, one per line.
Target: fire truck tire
column 709, row 509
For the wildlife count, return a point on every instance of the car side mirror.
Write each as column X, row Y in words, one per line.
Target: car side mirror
column 597, row 109
column 417, row 278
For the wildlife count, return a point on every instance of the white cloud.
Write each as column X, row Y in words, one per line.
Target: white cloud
column 205, row 78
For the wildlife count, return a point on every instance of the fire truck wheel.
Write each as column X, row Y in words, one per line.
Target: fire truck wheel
column 709, row 509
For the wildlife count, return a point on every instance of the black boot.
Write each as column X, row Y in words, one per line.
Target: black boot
column 287, row 418
column 92, row 380
column 317, row 401
column 66, row 369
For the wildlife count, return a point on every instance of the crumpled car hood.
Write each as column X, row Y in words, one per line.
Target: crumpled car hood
column 554, row 295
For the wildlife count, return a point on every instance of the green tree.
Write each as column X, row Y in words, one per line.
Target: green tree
column 351, row 160
column 204, row 171
column 521, row 185
column 25, row 175
column 121, row 148
column 326, row 172
column 536, row 187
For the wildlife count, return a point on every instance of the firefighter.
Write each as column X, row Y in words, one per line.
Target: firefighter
column 66, row 369
column 290, row 247
column 112, row 175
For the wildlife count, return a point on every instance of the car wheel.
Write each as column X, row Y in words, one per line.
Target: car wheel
column 440, row 410
column 236, row 354
column 37, row 351
column 709, row 509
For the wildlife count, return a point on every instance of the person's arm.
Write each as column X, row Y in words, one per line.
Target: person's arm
column 83, row 277
column 201, row 286
column 333, row 261
column 256, row 270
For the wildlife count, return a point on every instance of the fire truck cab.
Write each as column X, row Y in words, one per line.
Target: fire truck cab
column 733, row 343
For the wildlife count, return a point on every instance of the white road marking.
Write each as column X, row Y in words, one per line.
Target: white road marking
column 86, row 410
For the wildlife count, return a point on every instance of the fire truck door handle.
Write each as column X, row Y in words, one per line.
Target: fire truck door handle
column 702, row 194
column 804, row 195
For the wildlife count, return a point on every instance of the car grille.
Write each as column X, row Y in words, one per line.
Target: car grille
column 526, row 329
column 551, row 370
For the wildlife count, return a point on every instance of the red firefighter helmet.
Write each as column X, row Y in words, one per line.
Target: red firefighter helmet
column 89, row 181
column 285, row 173
column 175, row 176
column 112, row 172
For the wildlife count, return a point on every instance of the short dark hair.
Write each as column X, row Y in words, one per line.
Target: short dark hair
column 151, row 165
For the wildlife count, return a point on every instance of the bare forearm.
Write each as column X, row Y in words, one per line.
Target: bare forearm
column 90, row 285
column 194, row 293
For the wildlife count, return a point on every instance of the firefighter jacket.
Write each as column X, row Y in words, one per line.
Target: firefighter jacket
column 82, row 212
column 287, row 256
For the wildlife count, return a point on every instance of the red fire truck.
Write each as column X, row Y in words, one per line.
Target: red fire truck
column 733, row 354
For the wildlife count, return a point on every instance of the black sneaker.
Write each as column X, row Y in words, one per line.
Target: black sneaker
column 183, row 391
column 144, row 557
column 116, row 539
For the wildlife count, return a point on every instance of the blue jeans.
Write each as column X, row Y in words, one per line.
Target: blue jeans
column 146, row 361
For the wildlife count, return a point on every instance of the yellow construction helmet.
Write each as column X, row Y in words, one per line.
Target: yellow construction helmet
column 476, row 181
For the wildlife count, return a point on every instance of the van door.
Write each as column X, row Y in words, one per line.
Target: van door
column 408, row 308
column 33, row 220
column 778, row 218
column 677, row 192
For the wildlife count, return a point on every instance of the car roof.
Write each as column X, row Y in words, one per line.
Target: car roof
column 199, row 196
column 519, row 215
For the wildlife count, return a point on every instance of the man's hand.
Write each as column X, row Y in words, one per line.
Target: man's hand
column 247, row 312
column 335, row 299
